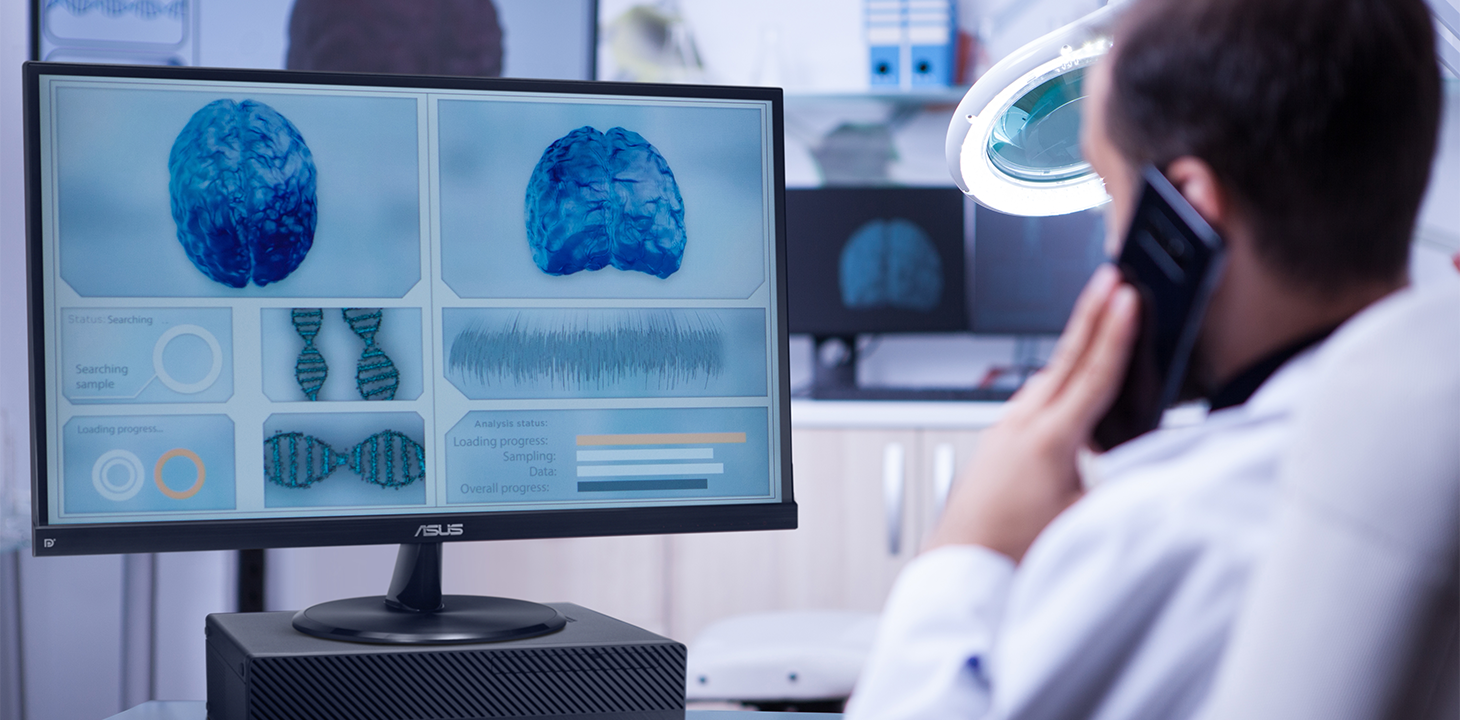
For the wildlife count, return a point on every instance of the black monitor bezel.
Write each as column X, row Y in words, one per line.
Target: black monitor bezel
column 108, row 538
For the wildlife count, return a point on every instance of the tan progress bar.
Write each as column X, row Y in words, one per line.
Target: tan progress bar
column 662, row 438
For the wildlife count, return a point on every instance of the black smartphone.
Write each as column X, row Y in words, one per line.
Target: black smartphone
column 1173, row 258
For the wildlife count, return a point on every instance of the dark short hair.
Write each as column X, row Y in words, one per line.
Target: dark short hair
column 1319, row 116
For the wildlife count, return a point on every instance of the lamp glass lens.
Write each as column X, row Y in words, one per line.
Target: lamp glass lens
column 1037, row 139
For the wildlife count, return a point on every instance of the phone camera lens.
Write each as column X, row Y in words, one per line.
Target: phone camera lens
column 1177, row 247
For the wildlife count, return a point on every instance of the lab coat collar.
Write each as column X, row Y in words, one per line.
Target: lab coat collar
column 1240, row 388
column 1273, row 399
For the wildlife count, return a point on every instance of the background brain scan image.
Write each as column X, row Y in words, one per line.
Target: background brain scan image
column 243, row 193
column 597, row 199
column 890, row 263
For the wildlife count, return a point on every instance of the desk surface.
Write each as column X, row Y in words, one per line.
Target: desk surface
column 195, row 710
column 893, row 414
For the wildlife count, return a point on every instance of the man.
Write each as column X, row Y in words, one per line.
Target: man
column 1302, row 130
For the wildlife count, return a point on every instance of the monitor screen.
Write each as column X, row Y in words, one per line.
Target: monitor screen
column 875, row 260
column 506, row 38
column 275, row 309
column 1025, row 272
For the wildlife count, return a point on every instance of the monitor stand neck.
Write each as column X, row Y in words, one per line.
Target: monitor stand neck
column 414, row 612
column 834, row 366
column 1026, row 354
column 416, row 584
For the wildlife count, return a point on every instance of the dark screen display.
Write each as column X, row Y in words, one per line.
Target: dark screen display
column 1027, row 271
column 875, row 260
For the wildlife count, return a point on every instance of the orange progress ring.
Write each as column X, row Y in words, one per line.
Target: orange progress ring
column 174, row 494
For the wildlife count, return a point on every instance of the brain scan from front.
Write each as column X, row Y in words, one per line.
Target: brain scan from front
column 599, row 199
column 243, row 193
column 890, row 264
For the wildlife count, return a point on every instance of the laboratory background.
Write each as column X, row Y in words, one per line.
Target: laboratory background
column 892, row 381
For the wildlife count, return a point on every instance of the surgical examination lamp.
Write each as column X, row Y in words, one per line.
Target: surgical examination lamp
column 1014, row 142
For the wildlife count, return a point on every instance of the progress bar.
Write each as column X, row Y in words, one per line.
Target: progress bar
column 662, row 439
column 649, row 454
column 641, row 485
column 654, row 469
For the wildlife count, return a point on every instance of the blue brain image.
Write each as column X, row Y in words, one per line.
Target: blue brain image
column 597, row 199
column 891, row 263
column 243, row 193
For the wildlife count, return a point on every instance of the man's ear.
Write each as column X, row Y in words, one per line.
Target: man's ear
column 1198, row 184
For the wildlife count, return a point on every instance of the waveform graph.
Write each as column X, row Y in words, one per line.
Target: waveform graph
column 136, row 26
column 344, row 459
column 602, row 352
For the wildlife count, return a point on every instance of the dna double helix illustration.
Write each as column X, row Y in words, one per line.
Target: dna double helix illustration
column 310, row 369
column 387, row 458
column 376, row 377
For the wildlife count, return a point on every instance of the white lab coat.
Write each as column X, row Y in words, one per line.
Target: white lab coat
column 1353, row 613
column 1121, row 608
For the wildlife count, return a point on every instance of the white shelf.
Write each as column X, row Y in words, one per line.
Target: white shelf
column 936, row 415
column 893, row 415
column 916, row 96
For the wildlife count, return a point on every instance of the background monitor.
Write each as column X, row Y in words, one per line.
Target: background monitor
column 286, row 309
column 507, row 38
column 1025, row 272
column 875, row 260
column 908, row 260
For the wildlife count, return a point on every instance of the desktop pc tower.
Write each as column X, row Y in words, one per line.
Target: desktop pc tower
column 595, row 668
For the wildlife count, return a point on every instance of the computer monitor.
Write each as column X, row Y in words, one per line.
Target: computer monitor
column 278, row 309
column 875, row 260
column 909, row 260
column 929, row 260
column 1025, row 272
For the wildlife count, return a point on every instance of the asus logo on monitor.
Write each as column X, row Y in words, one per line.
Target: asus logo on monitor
column 439, row 531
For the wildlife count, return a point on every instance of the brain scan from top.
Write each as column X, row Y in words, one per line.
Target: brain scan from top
column 243, row 193
column 599, row 199
column 891, row 263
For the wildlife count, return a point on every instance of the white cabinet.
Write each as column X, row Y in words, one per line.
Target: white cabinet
column 867, row 495
column 622, row 577
column 838, row 557
column 866, row 500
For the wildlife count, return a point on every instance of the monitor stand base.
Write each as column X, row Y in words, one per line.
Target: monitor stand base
column 415, row 612
column 462, row 619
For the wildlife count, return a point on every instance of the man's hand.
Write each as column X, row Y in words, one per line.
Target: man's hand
column 1024, row 473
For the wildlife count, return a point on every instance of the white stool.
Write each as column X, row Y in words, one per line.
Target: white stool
column 805, row 660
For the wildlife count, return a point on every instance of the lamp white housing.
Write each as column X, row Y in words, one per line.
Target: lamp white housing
column 1013, row 143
